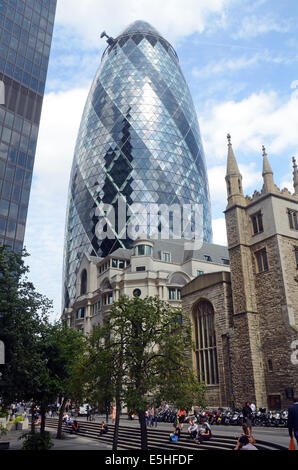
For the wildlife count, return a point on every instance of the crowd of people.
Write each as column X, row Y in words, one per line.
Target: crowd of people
column 198, row 430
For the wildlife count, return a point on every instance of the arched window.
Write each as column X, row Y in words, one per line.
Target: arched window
column 84, row 282
column 205, row 341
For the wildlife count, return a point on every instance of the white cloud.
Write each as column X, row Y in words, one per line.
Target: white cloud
column 256, row 120
column 252, row 26
column 224, row 65
column 239, row 63
column 219, row 231
column 46, row 218
column 173, row 18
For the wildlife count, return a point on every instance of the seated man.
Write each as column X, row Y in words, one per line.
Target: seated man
column 104, row 428
column 193, row 430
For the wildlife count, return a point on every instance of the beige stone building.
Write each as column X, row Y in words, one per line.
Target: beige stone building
column 245, row 323
column 152, row 268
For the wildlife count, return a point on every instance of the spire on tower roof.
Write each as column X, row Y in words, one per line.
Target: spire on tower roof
column 266, row 165
column 295, row 176
column 232, row 167
column 269, row 185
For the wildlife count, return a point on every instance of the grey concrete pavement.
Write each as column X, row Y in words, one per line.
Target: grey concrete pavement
column 69, row 443
column 270, row 434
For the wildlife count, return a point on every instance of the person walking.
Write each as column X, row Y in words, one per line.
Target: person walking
column 181, row 417
column 247, row 417
column 293, row 420
column 154, row 416
column 114, row 413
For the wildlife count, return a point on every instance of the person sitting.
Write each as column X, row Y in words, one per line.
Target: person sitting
column 192, row 430
column 74, row 427
column 175, row 435
column 104, row 428
column 244, row 444
column 204, row 433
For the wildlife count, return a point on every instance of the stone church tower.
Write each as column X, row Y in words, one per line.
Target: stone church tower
column 262, row 233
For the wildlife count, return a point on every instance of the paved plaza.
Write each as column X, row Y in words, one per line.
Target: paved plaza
column 68, row 443
column 71, row 442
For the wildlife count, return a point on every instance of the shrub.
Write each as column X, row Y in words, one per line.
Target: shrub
column 37, row 441
column 19, row 419
column 3, row 431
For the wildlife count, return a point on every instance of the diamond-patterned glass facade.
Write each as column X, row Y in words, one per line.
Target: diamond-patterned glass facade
column 139, row 138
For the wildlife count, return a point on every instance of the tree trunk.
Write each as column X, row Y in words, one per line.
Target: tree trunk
column 117, row 422
column 107, row 411
column 43, row 418
column 61, row 412
column 32, row 419
column 144, row 436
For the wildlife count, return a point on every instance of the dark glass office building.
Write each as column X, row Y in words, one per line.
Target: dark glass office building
column 139, row 138
column 26, row 28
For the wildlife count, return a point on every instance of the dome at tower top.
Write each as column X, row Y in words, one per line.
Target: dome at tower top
column 140, row 27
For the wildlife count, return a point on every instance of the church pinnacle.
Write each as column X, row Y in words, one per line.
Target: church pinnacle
column 233, row 177
column 295, row 176
column 269, row 185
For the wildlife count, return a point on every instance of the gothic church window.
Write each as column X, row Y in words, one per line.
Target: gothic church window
column 84, row 282
column 293, row 219
column 296, row 256
column 262, row 261
column 257, row 223
column 205, row 343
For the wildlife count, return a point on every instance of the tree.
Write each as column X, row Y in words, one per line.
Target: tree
column 23, row 321
column 144, row 347
column 42, row 359
column 62, row 349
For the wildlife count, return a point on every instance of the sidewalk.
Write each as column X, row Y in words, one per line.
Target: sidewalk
column 270, row 434
column 69, row 443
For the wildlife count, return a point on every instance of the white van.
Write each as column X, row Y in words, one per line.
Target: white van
column 83, row 409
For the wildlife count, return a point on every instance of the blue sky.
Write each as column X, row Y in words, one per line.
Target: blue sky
column 240, row 59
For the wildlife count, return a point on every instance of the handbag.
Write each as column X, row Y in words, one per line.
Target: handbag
column 292, row 444
column 174, row 438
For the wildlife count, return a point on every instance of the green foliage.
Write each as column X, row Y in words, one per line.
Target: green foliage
column 38, row 441
column 40, row 357
column 3, row 430
column 23, row 320
column 19, row 419
column 140, row 353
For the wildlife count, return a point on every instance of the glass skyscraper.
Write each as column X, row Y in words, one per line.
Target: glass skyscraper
column 139, row 138
column 26, row 28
